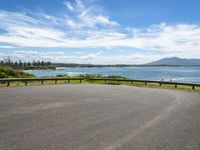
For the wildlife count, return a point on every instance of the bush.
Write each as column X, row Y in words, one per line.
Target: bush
column 11, row 73
column 3, row 75
column 116, row 77
column 90, row 76
column 62, row 75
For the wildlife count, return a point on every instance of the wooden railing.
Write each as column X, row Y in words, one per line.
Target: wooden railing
column 146, row 82
column 26, row 80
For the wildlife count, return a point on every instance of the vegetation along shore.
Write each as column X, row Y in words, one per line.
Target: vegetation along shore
column 19, row 65
column 11, row 73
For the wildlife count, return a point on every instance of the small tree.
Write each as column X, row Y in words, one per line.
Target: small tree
column 20, row 64
column 28, row 64
column 16, row 65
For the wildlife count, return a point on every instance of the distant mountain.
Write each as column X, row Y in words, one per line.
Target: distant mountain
column 175, row 61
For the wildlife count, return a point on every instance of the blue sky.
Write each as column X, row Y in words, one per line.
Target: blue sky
column 99, row 31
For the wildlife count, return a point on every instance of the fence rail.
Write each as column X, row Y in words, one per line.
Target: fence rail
column 26, row 80
column 146, row 82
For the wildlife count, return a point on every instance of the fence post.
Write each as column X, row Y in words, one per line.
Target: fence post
column 42, row 82
column 8, row 83
column 160, row 84
column 68, row 81
column 193, row 87
column 55, row 81
column 80, row 81
column 105, row 81
column 175, row 85
column 145, row 83
column 26, row 83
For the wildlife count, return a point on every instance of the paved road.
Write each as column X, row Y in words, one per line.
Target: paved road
column 98, row 117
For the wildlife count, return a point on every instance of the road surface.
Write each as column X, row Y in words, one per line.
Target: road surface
column 98, row 117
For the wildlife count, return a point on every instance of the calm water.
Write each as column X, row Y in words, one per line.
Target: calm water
column 179, row 74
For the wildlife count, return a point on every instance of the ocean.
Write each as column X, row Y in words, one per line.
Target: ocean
column 177, row 74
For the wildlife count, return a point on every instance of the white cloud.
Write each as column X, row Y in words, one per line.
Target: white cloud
column 105, row 21
column 32, row 55
column 69, row 6
column 92, row 58
column 181, row 38
column 84, row 27
column 86, row 17
column 34, row 32
column 5, row 46
column 49, row 56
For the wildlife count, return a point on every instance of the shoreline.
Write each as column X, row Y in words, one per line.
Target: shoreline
column 125, row 66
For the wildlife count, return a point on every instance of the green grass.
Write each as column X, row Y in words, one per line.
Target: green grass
column 154, row 85
column 10, row 73
column 139, row 84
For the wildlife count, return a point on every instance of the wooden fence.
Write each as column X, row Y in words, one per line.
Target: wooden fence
column 146, row 82
column 26, row 80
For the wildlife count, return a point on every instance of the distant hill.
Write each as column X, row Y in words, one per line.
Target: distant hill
column 175, row 61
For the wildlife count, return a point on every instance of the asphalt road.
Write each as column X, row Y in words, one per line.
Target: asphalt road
column 98, row 117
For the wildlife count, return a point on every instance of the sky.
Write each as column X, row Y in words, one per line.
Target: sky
column 99, row 31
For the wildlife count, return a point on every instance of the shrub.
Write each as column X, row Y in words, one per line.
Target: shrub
column 62, row 75
column 11, row 73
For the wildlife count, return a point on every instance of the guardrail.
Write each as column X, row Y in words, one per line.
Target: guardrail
column 146, row 82
column 26, row 80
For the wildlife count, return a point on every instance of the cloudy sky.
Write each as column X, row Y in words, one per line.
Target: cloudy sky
column 99, row 31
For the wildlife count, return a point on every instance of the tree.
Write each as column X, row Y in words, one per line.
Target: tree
column 34, row 63
column 16, row 65
column 38, row 63
column 28, row 64
column 48, row 63
column 20, row 64
column 2, row 64
column 42, row 63
column 24, row 65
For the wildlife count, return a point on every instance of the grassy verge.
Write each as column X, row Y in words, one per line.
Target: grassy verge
column 139, row 84
column 154, row 85
column 11, row 73
column 87, row 78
